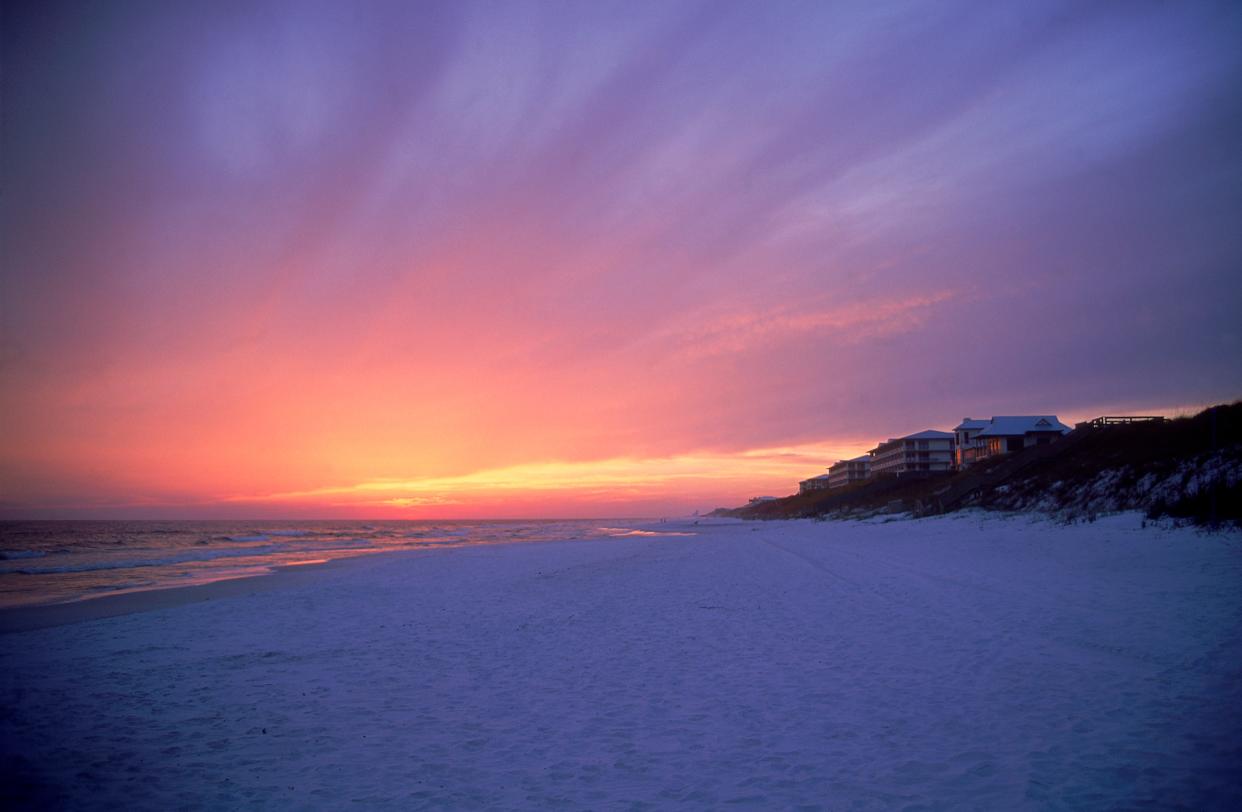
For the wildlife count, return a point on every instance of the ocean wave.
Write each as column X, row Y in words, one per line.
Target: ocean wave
column 620, row 532
column 186, row 557
column 10, row 555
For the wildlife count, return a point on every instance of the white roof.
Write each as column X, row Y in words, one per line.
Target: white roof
column 972, row 423
column 930, row 434
column 1016, row 425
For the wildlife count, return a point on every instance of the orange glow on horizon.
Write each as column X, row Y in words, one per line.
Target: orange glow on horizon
column 614, row 487
column 693, row 477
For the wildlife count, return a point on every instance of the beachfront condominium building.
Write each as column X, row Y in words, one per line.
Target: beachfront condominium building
column 1006, row 434
column 847, row 472
column 815, row 483
column 964, row 439
column 926, row 452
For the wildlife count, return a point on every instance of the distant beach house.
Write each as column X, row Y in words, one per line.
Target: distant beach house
column 759, row 500
column 1004, row 435
column 815, row 483
column 845, row 472
column 927, row 451
column 964, row 438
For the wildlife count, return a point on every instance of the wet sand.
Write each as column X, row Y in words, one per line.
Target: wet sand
column 28, row 618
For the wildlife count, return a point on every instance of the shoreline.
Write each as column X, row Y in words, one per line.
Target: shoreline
column 29, row 617
column 15, row 619
column 32, row 617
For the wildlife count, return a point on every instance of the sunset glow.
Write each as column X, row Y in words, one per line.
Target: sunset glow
column 570, row 488
column 412, row 259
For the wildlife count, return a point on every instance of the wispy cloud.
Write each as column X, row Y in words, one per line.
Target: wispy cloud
column 734, row 331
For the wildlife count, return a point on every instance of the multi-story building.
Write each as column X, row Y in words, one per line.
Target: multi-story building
column 815, row 483
column 1004, row 435
column 847, row 472
column 964, row 439
column 927, row 451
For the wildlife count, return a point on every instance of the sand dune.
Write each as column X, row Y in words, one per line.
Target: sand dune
column 959, row 662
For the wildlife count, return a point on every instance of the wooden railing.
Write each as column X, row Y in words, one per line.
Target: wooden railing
column 1115, row 420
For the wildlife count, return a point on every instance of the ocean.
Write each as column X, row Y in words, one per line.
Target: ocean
column 59, row 561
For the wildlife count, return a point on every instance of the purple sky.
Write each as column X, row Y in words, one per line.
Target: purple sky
column 263, row 248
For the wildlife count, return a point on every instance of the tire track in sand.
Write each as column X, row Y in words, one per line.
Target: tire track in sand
column 858, row 587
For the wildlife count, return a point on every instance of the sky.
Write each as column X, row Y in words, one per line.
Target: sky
column 591, row 259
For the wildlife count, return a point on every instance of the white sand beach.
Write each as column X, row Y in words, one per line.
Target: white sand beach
column 953, row 663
